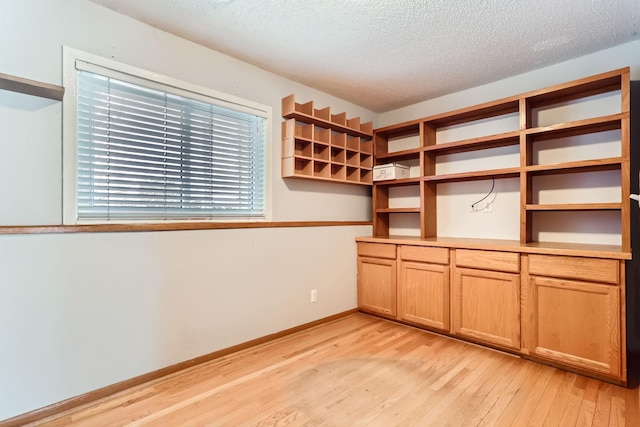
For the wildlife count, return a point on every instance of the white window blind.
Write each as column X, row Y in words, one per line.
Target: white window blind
column 147, row 154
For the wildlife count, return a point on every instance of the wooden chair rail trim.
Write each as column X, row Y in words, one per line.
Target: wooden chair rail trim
column 172, row 226
column 92, row 396
column 31, row 87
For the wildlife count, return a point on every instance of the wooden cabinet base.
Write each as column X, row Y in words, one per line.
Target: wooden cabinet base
column 566, row 311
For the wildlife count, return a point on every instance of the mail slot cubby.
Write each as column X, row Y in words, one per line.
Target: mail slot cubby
column 322, row 145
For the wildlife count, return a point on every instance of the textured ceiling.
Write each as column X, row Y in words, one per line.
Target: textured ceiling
column 386, row 54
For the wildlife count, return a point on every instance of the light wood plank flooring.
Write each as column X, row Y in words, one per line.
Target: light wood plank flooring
column 364, row 371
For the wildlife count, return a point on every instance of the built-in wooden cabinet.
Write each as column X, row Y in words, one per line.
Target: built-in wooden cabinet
column 423, row 286
column 567, row 310
column 556, row 292
column 377, row 292
column 486, row 297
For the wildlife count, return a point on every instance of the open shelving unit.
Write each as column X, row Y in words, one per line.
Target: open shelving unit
column 561, row 288
column 524, row 109
column 31, row 87
column 322, row 146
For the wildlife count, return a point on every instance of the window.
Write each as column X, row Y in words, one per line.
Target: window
column 150, row 150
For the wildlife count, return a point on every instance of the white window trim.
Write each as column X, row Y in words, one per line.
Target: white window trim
column 73, row 58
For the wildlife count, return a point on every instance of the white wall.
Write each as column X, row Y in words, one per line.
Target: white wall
column 454, row 199
column 82, row 311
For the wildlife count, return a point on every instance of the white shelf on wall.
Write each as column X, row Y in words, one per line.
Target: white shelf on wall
column 31, row 87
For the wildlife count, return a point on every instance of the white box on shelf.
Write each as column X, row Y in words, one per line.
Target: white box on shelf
column 390, row 171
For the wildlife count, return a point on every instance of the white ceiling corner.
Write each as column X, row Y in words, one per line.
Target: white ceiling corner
column 386, row 54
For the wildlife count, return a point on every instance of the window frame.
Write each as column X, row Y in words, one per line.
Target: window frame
column 73, row 58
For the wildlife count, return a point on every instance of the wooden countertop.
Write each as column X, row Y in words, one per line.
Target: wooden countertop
column 548, row 248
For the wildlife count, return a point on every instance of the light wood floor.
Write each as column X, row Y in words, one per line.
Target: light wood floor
column 363, row 371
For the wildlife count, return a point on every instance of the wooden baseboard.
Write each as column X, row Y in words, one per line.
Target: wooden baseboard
column 92, row 396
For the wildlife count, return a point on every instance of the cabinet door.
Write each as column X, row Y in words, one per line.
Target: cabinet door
column 377, row 285
column 486, row 306
column 423, row 294
column 576, row 323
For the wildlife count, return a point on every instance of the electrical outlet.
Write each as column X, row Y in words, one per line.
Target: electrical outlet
column 314, row 295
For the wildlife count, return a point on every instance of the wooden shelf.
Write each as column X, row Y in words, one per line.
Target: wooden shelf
column 399, row 130
column 481, row 143
column 581, row 127
column 399, row 155
column 31, row 87
column 315, row 168
column 475, row 175
column 398, row 210
column 398, row 182
column 323, row 118
column 329, row 179
column 588, row 86
column 478, row 112
column 596, row 165
column 576, row 207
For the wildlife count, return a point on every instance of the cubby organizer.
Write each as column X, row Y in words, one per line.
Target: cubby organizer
column 319, row 145
column 532, row 130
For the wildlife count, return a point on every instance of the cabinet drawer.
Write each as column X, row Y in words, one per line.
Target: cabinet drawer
column 425, row 254
column 377, row 250
column 579, row 268
column 488, row 260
